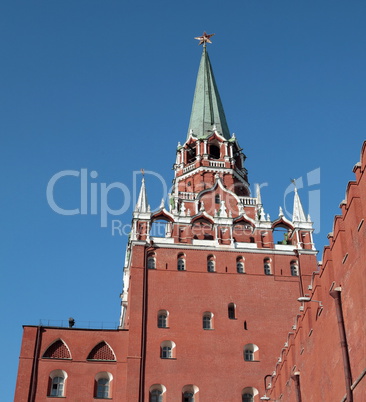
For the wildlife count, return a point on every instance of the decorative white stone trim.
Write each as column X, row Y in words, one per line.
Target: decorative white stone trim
column 211, row 169
column 183, row 219
column 163, row 240
column 197, row 242
column 245, row 245
column 284, row 247
column 223, row 221
column 142, row 215
column 214, row 248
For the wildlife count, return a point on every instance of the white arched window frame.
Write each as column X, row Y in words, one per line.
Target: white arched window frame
column 157, row 392
column 181, row 264
column 167, row 350
column 188, row 397
column 189, row 393
column 103, row 385
column 247, row 397
column 207, row 320
column 248, row 355
column 102, row 388
column 267, row 267
column 240, row 265
column 251, row 352
column 156, row 396
column 57, row 383
column 163, row 319
column 211, row 263
column 294, row 268
column 248, row 394
column 151, row 262
column 211, row 266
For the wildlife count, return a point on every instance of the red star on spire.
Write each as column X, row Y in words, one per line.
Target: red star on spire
column 205, row 38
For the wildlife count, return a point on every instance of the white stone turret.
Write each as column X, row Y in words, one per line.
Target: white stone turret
column 142, row 204
column 298, row 214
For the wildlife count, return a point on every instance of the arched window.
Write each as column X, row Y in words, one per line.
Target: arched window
column 181, row 262
column 248, row 394
column 188, row 397
column 214, row 152
column 294, row 268
column 102, row 386
column 191, row 153
column 211, row 263
column 231, row 311
column 162, row 319
column 57, row 387
column 189, row 393
column 157, row 393
column 247, row 397
column 217, row 199
column 151, row 261
column 156, row 396
column 251, row 352
column 240, row 265
column 57, row 383
column 267, row 266
column 207, row 320
column 248, row 355
column 167, row 350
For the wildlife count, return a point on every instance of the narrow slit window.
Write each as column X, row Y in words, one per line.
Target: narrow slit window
column 231, row 311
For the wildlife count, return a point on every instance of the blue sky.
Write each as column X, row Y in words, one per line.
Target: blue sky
column 107, row 86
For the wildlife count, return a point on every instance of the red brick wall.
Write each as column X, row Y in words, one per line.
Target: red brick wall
column 81, row 373
column 212, row 359
column 317, row 354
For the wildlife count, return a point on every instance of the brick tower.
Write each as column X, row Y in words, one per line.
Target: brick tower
column 209, row 289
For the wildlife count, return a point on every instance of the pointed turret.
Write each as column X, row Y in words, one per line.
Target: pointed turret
column 207, row 111
column 142, row 205
column 298, row 211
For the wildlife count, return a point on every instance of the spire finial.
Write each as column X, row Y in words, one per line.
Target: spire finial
column 142, row 172
column 205, row 38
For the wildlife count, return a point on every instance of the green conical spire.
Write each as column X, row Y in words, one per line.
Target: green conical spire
column 207, row 109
